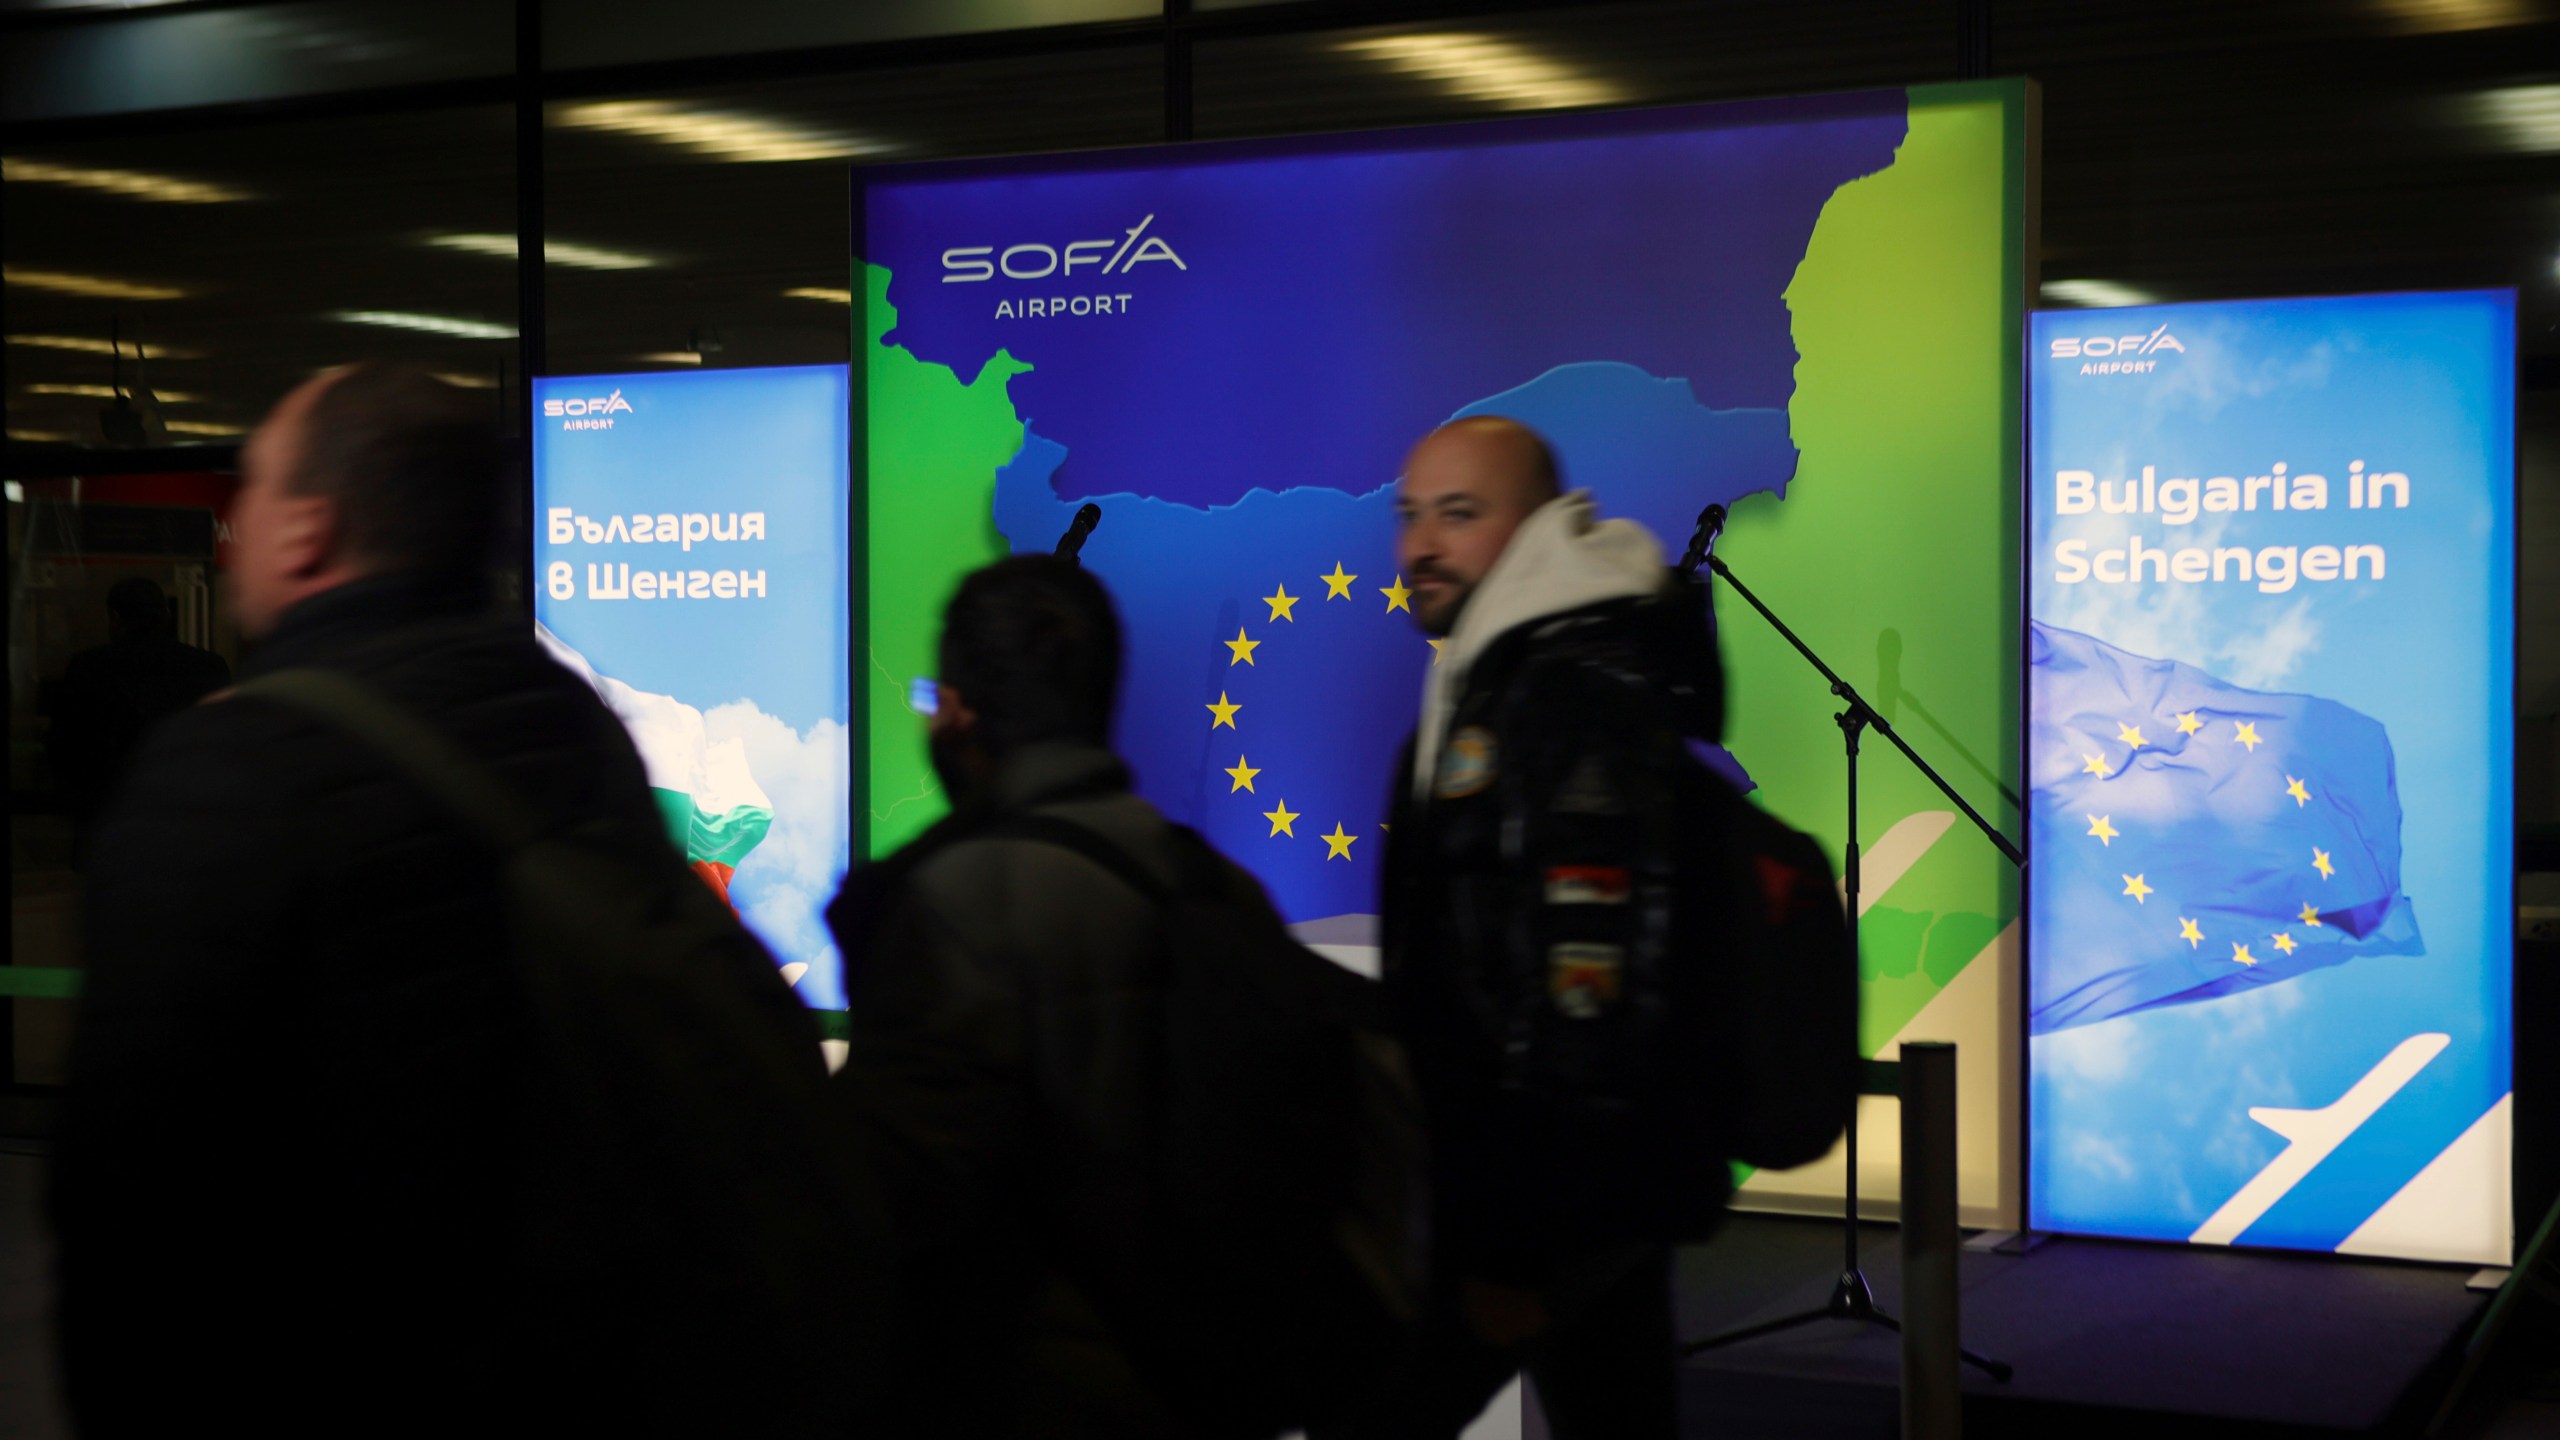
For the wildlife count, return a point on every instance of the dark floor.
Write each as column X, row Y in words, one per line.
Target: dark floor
column 2106, row 1338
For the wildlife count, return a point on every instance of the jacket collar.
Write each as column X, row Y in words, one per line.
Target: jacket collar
column 1051, row 770
column 350, row 617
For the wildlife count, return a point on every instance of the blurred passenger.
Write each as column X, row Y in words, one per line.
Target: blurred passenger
column 353, row 1145
column 111, row 696
column 1524, row 930
column 1011, row 1056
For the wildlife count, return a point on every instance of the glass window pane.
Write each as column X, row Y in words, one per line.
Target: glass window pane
column 219, row 56
column 578, row 33
column 1648, row 53
column 174, row 306
column 719, row 218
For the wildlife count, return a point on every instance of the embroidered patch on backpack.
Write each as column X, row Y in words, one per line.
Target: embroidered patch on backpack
column 1587, row 885
column 1584, row 979
column 1466, row 764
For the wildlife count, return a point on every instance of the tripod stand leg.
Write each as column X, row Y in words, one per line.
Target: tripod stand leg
column 1754, row 1332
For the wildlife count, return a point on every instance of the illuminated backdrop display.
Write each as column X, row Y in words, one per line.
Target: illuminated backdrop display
column 2271, row 689
column 690, row 562
column 1807, row 309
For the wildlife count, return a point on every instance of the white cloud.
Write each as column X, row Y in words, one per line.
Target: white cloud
column 784, row 885
column 2261, row 659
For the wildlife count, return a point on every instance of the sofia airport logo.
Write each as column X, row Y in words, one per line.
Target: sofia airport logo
column 2117, row 354
column 588, row 413
column 967, row 264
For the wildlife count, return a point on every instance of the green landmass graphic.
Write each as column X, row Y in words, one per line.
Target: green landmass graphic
column 1893, row 547
column 935, row 444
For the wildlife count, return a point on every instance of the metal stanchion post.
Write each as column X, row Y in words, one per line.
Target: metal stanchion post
column 1932, row 1400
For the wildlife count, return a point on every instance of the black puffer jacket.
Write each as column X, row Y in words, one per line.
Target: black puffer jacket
column 1540, row 938
column 286, row 1181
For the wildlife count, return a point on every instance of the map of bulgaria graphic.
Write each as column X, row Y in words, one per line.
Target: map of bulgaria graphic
column 1241, row 414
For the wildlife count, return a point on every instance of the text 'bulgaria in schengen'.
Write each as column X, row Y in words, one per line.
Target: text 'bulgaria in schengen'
column 620, row 580
column 2181, row 500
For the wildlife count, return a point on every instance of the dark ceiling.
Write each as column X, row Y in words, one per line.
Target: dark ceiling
column 2189, row 150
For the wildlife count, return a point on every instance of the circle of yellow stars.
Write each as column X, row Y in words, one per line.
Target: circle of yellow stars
column 2243, row 733
column 1282, row 607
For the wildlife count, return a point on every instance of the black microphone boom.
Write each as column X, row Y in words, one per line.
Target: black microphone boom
column 1071, row 544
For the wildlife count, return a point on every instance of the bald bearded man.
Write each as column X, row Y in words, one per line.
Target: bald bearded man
column 1528, row 922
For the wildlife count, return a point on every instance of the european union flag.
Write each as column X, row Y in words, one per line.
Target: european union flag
column 2197, row 838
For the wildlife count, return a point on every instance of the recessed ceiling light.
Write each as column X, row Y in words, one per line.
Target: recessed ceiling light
column 2424, row 17
column 35, row 437
column 109, row 392
column 89, row 345
column 819, row 292
column 556, row 252
column 460, row 381
column 723, row 135
column 2526, row 117
column 203, row 427
column 1480, row 67
column 2096, row 294
column 429, row 324
column 130, row 184
column 672, row 357
column 94, row 287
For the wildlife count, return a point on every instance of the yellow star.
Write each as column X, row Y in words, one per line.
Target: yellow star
column 2097, row 766
column 2310, row 915
column 2188, row 932
column 2105, row 832
column 1241, row 648
column 1280, row 600
column 2320, row 862
column 1225, row 712
column 1436, row 647
column 1337, row 586
column 2286, row 943
column 2134, row 887
column 1280, row 819
column 2188, row 724
column 1396, row 596
column 2240, row 955
column 2131, row 735
column 2294, row 788
column 1243, row 775
column 2247, row 734
column 1337, row 843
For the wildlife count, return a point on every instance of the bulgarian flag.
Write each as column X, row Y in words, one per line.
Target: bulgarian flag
column 713, row 808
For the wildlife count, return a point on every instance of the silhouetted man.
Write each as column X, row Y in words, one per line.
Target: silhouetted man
column 1002, row 1044
column 1525, row 926
column 111, row 696
column 301, row 1181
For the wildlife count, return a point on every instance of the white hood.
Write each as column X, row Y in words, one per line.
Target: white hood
column 1560, row 559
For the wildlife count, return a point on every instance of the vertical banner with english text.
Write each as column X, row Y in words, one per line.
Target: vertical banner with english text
column 2270, row 670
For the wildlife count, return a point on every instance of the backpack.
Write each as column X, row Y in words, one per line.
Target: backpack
column 690, row 1227
column 1278, row 1260
column 1784, row 1011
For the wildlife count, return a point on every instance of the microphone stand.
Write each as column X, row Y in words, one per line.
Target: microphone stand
column 1851, row 1297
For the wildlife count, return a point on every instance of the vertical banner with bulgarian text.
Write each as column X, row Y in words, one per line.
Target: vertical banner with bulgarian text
column 690, row 563
column 2270, row 669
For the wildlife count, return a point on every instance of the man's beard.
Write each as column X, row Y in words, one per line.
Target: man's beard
column 1439, row 621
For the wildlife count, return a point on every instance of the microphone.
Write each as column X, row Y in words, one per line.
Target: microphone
column 1703, row 539
column 1071, row 544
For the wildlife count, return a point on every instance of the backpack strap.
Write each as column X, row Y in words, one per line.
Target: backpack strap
column 416, row 749
column 1067, row 835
